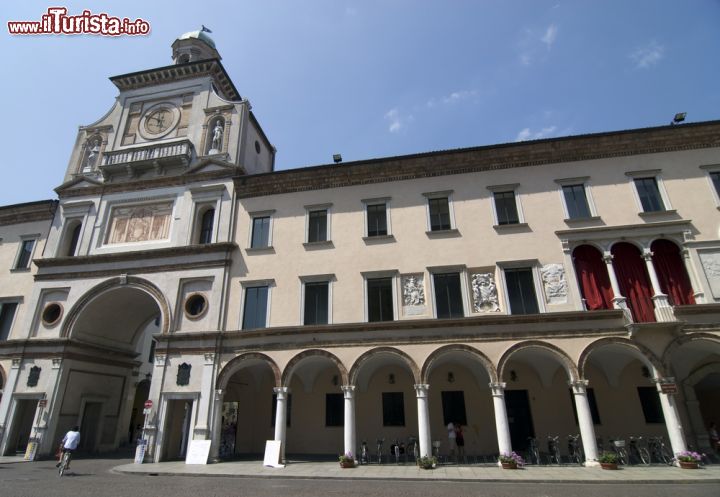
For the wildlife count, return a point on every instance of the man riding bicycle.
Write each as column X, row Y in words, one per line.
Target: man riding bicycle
column 69, row 443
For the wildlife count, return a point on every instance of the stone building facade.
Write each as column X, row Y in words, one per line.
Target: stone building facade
column 548, row 288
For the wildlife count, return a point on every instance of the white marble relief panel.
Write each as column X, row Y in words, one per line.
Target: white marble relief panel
column 413, row 290
column 554, row 283
column 485, row 296
column 711, row 266
column 140, row 223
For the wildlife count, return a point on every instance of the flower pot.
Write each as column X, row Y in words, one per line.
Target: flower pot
column 347, row 464
column 688, row 465
column 508, row 465
column 608, row 465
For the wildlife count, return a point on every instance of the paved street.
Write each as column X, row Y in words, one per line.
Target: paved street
column 93, row 478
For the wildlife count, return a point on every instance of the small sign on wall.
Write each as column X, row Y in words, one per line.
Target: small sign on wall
column 668, row 388
column 198, row 452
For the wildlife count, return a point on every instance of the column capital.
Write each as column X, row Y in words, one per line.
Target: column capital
column 579, row 387
column 160, row 360
column 498, row 389
column 281, row 392
column 665, row 379
column 209, row 358
column 15, row 363
column 421, row 390
column 56, row 362
column 348, row 391
column 608, row 257
column 219, row 392
column 647, row 255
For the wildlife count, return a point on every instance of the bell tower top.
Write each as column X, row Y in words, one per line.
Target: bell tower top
column 193, row 46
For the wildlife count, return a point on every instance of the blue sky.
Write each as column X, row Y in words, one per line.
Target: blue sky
column 374, row 78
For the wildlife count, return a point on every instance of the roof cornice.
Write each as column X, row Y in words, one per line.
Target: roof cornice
column 485, row 158
column 179, row 72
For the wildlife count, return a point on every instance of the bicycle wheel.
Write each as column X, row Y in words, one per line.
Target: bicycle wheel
column 667, row 456
column 622, row 454
column 644, row 455
column 63, row 464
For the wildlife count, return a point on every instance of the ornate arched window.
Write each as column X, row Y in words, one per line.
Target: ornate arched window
column 593, row 278
column 634, row 281
column 207, row 220
column 671, row 272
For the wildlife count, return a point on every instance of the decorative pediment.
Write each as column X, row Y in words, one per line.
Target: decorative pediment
column 212, row 164
column 77, row 184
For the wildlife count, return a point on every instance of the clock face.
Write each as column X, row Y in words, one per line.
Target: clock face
column 159, row 121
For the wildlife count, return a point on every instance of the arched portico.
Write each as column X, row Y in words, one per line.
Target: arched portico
column 243, row 406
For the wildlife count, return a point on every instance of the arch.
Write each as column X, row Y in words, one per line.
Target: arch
column 3, row 379
column 671, row 272
column 476, row 354
column 292, row 365
column 111, row 284
column 644, row 354
column 634, row 243
column 206, row 217
column 236, row 363
column 682, row 340
column 594, row 282
column 370, row 354
column 564, row 359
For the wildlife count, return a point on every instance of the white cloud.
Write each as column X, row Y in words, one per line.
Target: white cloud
column 397, row 121
column 527, row 134
column 452, row 98
column 549, row 36
column 648, row 55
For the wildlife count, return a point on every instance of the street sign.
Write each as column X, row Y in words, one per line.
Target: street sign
column 148, row 404
column 42, row 403
column 668, row 388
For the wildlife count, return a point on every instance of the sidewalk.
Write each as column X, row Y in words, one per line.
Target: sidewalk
column 332, row 470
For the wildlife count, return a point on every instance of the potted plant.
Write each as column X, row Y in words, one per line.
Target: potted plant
column 511, row 461
column 608, row 460
column 347, row 460
column 427, row 462
column 688, row 459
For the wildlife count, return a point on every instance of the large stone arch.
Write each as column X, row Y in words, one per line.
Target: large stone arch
column 644, row 354
column 567, row 363
column 475, row 353
column 405, row 358
column 297, row 359
column 112, row 284
column 682, row 340
column 236, row 363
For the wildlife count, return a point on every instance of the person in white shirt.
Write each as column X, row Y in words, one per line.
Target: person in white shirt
column 451, row 439
column 70, row 442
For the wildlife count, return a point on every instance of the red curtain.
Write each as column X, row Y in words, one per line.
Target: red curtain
column 634, row 283
column 674, row 280
column 592, row 275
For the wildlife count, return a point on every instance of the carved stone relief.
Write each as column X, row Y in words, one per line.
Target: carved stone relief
column 33, row 376
column 554, row 283
column 485, row 296
column 711, row 266
column 413, row 288
column 140, row 223
column 183, row 374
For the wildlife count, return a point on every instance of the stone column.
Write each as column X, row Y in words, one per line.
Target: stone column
column 697, row 288
column 619, row 302
column 150, row 428
column 502, row 427
column 663, row 311
column 421, row 390
column 216, row 431
column 281, row 418
column 672, row 418
column 349, row 420
column 8, row 390
column 585, row 421
column 203, row 423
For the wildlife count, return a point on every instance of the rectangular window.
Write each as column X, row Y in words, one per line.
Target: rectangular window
column 649, row 194
column 521, row 291
column 715, row 177
column 593, row 406
column 260, row 232
column 7, row 314
column 377, row 220
column 316, row 303
column 448, row 295
column 439, row 214
column 380, row 299
column 393, row 409
column 334, row 409
column 576, row 201
column 453, row 405
column 26, row 250
column 506, row 208
column 650, row 402
column 288, row 402
column 317, row 226
column 255, row 310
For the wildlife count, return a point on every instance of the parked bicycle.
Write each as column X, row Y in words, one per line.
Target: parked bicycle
column 364, row 453
column 658, row 451
column 636, row 453
column 553, row 449
column 533, row 453
column 380, row 442
column 575, row 449
column 619, row 447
